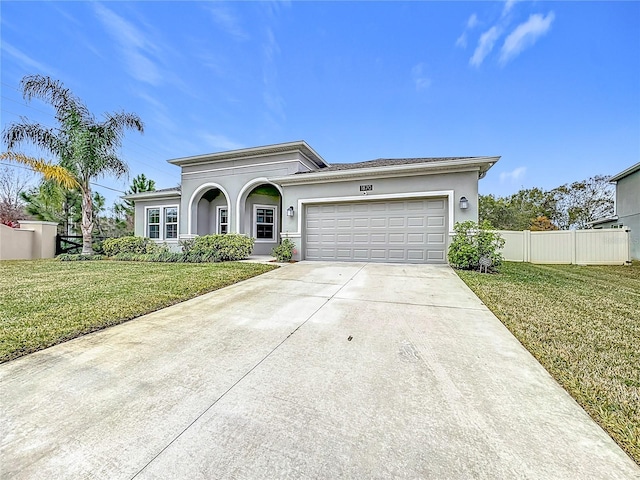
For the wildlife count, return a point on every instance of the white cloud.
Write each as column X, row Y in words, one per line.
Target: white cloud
column 271, row 95
column 220, row 142
column 419, row 76
column 508, row 5
column 135, row 46
column 227, row 21
column 485, row 45
column 525, row 35
column 25, row 60
column 471, row 23
column 514, row 175
column 462, row 40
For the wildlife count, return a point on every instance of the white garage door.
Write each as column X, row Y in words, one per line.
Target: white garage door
column 403, row 231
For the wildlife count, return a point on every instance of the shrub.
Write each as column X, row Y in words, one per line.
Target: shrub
column 284, row 251
column 473, row 241
column 69, row 257
column 187, row 244
column 221, row 248
column 133, row 245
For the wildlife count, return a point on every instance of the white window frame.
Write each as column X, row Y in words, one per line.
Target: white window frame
column 163, row 223
column 147, row 224
column 274, row 238
column 219, row 223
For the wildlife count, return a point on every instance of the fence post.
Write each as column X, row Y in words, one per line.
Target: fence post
column 574, row 240
column 526, row 245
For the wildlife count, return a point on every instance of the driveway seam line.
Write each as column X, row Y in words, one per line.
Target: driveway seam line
column 198, row 417
column 482, row 308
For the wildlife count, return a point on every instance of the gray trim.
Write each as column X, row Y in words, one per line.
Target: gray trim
column 625, row 173
column 402, row 168
column 163, row 193
column 300, row 146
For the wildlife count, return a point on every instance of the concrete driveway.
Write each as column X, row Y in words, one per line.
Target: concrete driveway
column 315, row 370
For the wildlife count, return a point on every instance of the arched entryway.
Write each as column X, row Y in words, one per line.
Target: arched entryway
column 260, row 215
column 209, row 211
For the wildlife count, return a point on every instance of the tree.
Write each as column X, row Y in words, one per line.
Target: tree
column 85, row 147
column 568, row 206
column 12, row 183
column 50, row 202
column 48, row 170
column 585, row 201
column 542, row 223
column 517, row 211
column 127, row 208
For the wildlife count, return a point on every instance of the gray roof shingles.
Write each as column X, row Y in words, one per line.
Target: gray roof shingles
column 383, row 162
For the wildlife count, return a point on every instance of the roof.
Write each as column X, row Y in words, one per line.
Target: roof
column 385, row 162
column 300, row 146
column 625, row 173
column 603, row 220
column 385, row 167
column 163, row 192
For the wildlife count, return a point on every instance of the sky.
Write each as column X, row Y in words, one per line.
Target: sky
column 551, row 87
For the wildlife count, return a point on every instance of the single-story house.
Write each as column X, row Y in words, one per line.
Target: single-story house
column 627, row 206
column 386, row 210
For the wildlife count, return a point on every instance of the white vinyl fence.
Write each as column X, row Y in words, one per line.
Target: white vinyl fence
column 583, row 247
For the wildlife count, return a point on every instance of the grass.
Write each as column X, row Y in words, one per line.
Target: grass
column 583, row 326
column 46, row 302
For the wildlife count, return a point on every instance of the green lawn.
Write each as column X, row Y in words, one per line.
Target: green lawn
column 583, row 326
column 45, row 302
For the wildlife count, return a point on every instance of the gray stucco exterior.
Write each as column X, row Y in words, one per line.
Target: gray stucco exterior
column 250, row 186
column 627, row 206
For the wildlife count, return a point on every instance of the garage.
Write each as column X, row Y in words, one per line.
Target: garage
column 401, row 231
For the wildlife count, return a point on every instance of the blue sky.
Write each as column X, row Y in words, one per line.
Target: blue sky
column 552, row 87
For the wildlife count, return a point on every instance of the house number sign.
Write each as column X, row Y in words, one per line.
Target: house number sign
column 366, row 188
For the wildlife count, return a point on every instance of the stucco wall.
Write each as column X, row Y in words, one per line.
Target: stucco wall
column 455, row 185
column 33, row 240
column 15, row 243
column 140, row 206
column 628, row 195
column 236, row 179
column 628, row 209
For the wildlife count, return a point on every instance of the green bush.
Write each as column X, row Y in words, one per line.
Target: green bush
column 167, row 257
column 70, row 257
column 221, row 248
column 133, row 245
column 187, row 244
column 473, row 241
column 284, row 251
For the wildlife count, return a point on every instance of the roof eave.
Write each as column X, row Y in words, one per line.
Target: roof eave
column 479, row 164
column 152, row 195
column 625, row 173
column 300, row 145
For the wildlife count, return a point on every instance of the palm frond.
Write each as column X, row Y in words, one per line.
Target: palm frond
column 48, row 170
column 18, row 133
column 54, row 93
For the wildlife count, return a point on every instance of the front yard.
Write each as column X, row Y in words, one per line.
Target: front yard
column 583, row 326
column 45, row 302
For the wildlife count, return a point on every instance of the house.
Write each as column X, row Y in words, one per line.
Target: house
column 386, row 210
column 627, row 206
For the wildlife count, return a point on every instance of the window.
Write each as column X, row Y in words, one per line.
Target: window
column 162, row 222
column 223, row 220
column 153, row 222
column 265, row 222
column 171, row 222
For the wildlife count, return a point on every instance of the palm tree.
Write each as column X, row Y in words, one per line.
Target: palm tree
column 48, row 170
column 85, row 147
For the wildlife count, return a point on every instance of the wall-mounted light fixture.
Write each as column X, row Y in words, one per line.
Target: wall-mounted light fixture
column 290, row 211
column 464, row 203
